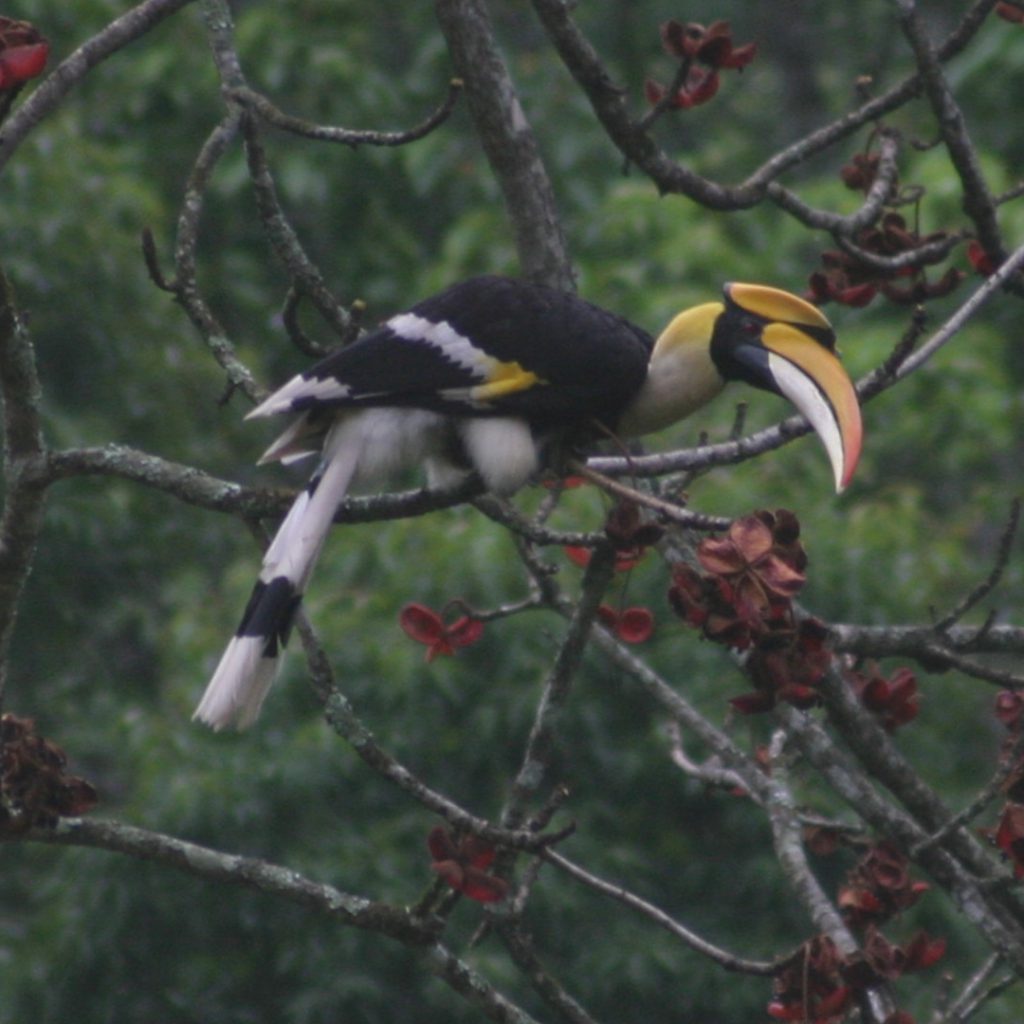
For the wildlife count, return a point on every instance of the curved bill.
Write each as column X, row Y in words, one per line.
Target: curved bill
column 813, row 379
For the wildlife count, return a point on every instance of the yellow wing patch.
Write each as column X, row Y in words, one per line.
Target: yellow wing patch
column 504, row 379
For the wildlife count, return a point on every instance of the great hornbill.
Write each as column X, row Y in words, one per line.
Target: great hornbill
column 488, row 376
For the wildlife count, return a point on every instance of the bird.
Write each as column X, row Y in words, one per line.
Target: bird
column 493, row 376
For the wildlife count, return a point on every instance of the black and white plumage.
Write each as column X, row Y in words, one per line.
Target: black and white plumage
column 482, row 378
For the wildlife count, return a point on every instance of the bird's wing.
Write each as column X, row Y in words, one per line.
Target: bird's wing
column 487, row 346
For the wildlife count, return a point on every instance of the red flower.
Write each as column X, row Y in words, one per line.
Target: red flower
column 626, row 528
column 631, row 625
column 745, row 602
column 878, row 887
column 979, row 259
column 860, row 173
column 760, row 556
column 1009, row 836
column 23, row 52
column 787, row 664
column 425, row 626
column 565, row 483
column 711, row 46
column 624, row 560
column 848, row 279
column 701, row 86
column 702, row 53
column 711, row 604
column 923, row 951
column 1009, row 707
column 463, row 864
column 810, row 987
column 894, row 700
column 1013, row 13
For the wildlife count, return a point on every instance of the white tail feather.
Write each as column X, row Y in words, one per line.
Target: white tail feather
column 249, row 664
column 238, row 687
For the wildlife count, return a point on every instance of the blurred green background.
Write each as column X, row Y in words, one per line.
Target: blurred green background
column 133, row 595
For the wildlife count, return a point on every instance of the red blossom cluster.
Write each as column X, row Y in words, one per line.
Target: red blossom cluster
column 878, row 887
column 425, row 626
column 848, row 278
column 702, row 53
column 463, row 862
column 23, row 52
column 1008, row 834
column 894, row 700
column 744, row 600
column 35, row 789
column 818, row 984
column 809, row 987
column 632, row 535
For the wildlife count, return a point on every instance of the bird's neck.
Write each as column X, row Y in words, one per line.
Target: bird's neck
column 681, row 376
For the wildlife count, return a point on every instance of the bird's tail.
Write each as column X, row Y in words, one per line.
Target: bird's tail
column 248, row 666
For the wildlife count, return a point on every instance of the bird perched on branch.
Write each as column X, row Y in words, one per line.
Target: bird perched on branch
column 488, row 377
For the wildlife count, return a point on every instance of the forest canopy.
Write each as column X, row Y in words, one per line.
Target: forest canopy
column 681, row 735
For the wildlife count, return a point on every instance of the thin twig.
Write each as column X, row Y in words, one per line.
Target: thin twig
column 722, row 957
column 305, row 274
column 268, row 112
column 978, row 593
column 536, row 761
column 51, row 92
column 1009, row 762
column 682, row 516
column 23, row 452
column 977, row 991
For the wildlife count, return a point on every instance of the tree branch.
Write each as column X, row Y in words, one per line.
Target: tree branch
column 266, row 111
column 25, row 494
column 508, row 142
column 725, row 959
column 52, row 91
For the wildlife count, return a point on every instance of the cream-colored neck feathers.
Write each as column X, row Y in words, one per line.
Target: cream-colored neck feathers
column 682, row 376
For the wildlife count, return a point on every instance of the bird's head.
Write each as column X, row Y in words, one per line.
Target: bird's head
column 768, row 338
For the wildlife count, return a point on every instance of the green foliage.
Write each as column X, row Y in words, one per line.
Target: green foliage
column 134, row 594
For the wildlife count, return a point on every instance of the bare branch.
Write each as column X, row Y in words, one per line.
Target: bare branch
column 723, row 958
column 919, row 642
column 878, row 195
column 22, row 516
column 978, row 991
column 122, row 31
column 203, row 862
column 185, row 285
column 787, row 834
column 667, row 509
column 341, row 716
column 1008, row 762
column 508, row 141
column 978, row 203
column 266, row 111
column 609, row 105
column 521, row 947
column 535, row 766
column 304, row 273
column 986, row 586
column 986, row 910
column 250, row 872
